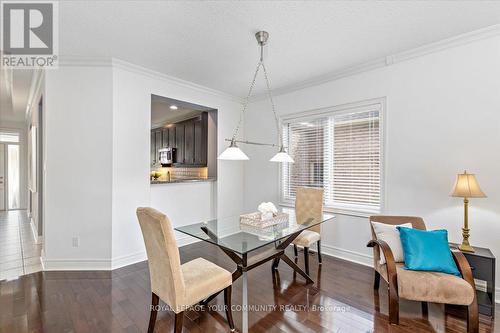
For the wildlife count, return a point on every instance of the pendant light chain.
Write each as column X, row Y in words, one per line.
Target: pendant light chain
column 245, row 103
column 233, row 152
column 270, row 95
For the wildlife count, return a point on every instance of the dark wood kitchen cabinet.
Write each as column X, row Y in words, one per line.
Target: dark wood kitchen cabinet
column 156, row 143
column 171, row 136
column 201, row 139
column 189, row 142
column 152, row 157
column 179, row 143
column 189, row 137
column 192, row 150
column 164, row 138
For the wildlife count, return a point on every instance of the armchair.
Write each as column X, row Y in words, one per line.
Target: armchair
column 421, row 285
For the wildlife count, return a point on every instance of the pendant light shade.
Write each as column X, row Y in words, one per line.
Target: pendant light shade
column 233, row 153
column 282, row 156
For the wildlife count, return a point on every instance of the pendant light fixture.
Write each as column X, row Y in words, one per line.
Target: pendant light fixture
column 233, row 152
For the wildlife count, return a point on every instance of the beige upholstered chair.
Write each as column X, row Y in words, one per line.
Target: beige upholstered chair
column 419, row 285
column 180, row 286
column 308, row 203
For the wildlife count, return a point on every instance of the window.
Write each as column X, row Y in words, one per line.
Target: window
column 338, row 150
column 10, row 137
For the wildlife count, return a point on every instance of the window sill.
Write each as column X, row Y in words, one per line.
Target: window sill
column 337, row 211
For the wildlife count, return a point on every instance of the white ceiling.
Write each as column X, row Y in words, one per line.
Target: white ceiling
column 212, row 43
column 162, row 115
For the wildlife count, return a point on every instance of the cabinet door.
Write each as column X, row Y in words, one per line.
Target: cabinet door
column 152, row 157
column 171, row 136
column 189, row 142
column 164, row 138
column 200, row 139
column 179, row 142
column 158, row 143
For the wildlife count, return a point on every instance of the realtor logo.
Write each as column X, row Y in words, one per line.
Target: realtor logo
column 29, row 34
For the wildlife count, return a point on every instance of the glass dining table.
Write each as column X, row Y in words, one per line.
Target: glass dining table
column 238, row 241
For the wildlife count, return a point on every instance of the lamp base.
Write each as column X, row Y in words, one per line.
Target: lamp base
column 465, row 246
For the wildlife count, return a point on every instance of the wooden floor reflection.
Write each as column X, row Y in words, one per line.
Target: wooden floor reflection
column 341, row 300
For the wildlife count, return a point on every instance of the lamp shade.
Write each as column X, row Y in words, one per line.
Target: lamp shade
column 233, row 153
column 282, row 156
column 466, row 186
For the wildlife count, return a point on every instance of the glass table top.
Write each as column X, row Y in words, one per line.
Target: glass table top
column 229, row 234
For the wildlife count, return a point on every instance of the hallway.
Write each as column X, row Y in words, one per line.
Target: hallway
column 19, row 254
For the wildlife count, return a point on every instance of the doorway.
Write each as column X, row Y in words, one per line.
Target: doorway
column 10, row 171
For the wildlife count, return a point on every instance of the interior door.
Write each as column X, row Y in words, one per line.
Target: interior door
column 2, row 177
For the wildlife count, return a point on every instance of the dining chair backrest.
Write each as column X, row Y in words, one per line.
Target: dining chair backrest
column 309, row 204
column 163, row 256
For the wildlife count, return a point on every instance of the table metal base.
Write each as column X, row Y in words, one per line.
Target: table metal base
column 245, row 264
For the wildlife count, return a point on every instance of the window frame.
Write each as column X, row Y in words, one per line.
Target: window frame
column 336, row 110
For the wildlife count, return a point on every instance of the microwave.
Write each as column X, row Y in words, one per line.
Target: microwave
column 166, row 156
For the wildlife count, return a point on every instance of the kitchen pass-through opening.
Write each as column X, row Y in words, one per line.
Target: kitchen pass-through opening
column 183, row 141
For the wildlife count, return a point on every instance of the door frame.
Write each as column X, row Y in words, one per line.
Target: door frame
column 6, row 176
column 6, row 165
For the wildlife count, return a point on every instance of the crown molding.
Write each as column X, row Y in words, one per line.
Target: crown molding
column 459, row 40
column 127, row 66
column 88, row 61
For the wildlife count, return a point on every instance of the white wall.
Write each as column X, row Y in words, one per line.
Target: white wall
column 442, row 117
column 97, row 142
column 78, row 175
column 178, row 199
column 132, row 89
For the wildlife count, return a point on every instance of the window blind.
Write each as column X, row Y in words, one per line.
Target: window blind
column 339, row 152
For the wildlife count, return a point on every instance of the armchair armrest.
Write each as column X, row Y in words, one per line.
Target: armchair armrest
column 390, row 264
column 472, row 309
column 464, row 267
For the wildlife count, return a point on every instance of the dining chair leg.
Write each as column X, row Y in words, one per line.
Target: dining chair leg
column 319, row 252
column 227, row 303
column 153, row 312
column 179, row 318
column 275, row 264
column 295, row 251
column 376, row 281
column 306, row 259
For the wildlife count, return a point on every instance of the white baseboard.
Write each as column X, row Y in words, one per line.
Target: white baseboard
column 186, row 240
column 118, row 262
column 34, row 231
column 367, row 260
column 76, row 264
column 129, row 259
column 356, row 257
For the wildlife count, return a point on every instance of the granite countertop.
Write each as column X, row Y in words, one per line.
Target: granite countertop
column 183, row 180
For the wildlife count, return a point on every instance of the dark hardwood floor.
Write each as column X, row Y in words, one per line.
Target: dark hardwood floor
column 341, row 300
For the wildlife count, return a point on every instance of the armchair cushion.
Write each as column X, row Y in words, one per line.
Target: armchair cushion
column 427, row 251
column 390, row 234
column 431, row 287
